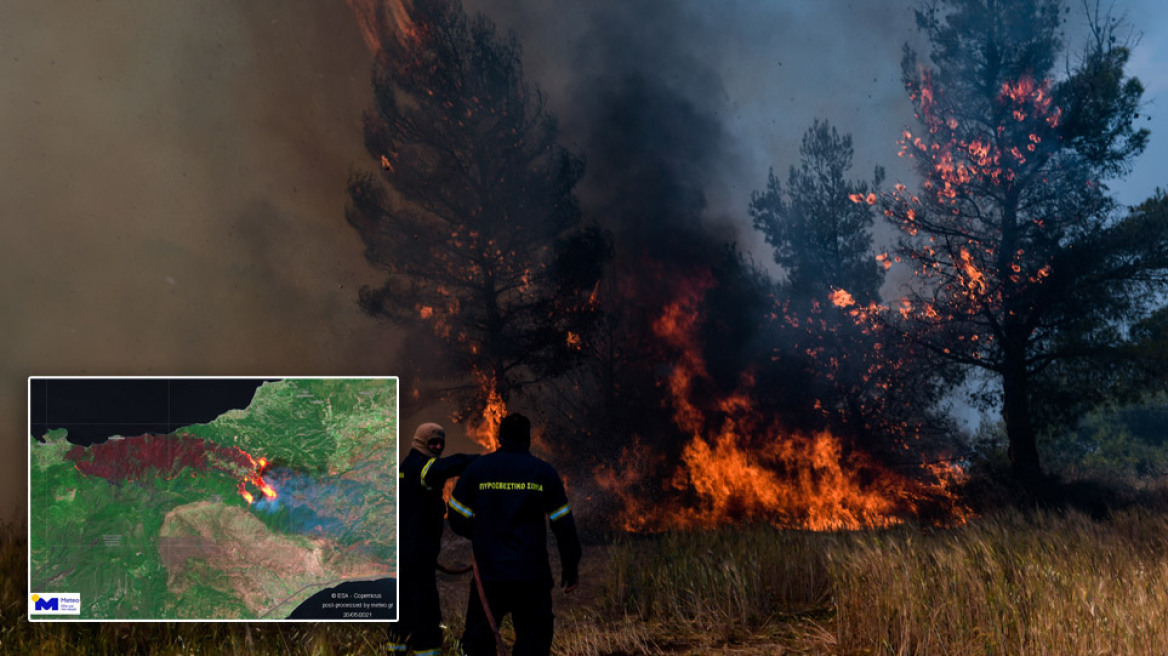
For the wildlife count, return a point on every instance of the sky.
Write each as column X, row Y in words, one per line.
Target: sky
column 174, row 170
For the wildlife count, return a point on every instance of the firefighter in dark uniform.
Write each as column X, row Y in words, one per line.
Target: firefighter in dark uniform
column 421, row 478
column 503, row 503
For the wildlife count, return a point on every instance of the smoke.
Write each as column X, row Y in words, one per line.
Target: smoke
column 174, row 190
column 175, row 175
column 684, row 106
column 680, row 109
column 326, row 506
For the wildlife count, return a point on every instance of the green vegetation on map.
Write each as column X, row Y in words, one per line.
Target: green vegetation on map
column 311, row 425
column 184, row 544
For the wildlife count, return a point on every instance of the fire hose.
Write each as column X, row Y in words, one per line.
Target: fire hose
column 487, row 607
column 474, row 565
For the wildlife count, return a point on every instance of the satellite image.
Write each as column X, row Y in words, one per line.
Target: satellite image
column 211, row 499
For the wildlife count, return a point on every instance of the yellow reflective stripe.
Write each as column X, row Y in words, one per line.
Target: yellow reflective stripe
column 425, row 469
column 461, row 509
column 560, row 512
column 397, row 646
column 428, row 652
column 401, row 474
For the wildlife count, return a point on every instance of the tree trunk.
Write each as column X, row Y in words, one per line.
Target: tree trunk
column 1019, row 429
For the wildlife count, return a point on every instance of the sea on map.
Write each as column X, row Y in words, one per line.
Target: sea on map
column 215, row 498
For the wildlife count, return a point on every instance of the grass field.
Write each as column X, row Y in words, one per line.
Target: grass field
column 1041, row 582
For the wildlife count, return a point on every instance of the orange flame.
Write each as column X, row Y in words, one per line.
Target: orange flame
column 374, row 17
column 739, row 465
column 256, row 478
column 484, row 429
column 975, row 279
column 841, row 298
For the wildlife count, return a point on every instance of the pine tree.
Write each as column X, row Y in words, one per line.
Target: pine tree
column 1024, row 264
column 473, row 216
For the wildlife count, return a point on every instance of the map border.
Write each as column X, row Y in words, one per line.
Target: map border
column 396, row 500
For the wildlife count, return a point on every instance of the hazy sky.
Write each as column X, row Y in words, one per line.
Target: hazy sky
column 173, row 173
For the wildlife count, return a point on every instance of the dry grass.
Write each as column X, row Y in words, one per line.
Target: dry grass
column 733, row 582
column 1012, row 583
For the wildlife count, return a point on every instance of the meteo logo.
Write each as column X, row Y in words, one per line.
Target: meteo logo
column 54, row 603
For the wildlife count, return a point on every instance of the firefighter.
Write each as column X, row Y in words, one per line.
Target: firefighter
column 503, row 503
column 421, row 478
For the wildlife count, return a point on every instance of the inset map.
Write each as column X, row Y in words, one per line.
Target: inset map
column 214, row 498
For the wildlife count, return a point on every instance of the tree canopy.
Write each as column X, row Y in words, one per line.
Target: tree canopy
column 473, row 216
column 1024, row 266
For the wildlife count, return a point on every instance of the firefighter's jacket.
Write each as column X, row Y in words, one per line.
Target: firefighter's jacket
column 420, row 505
column 501, row 502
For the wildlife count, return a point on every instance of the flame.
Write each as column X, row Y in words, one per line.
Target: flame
column 975, row 279
column 965, row 161
column 738, row 464
column 574, row 341
column 594, row 297
column 376, row 17
column 484, row 429
column 841, row 298
column 255, row 476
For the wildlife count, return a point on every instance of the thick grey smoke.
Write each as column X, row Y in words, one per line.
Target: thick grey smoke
column 761, row 72
column 679, row 109
column 685, row 105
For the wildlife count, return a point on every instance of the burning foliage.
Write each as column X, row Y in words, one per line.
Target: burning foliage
column 381, row 18
column 472, row 216
column 740, row 463
column 698, row 389
column 478, row 236
column 1019, row 265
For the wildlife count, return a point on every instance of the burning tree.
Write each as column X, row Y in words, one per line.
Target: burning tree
column 864, row 381
column 474, row 219
column 1023, row 267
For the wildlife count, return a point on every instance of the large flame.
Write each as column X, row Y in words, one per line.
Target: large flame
column 738, row 464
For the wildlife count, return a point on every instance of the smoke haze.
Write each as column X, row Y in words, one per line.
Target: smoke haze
column 174, row 178
column 174, row 190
